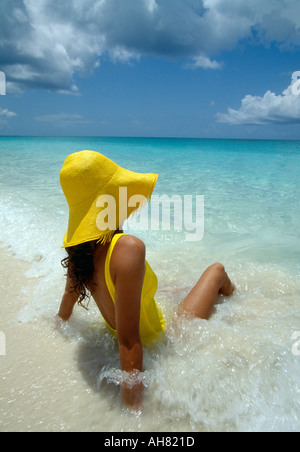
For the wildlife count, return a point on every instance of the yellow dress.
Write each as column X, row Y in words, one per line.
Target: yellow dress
column 152, row 323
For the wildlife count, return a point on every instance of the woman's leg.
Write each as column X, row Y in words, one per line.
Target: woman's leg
column 201, row 300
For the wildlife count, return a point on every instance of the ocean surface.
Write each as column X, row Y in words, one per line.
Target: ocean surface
column 239, row 371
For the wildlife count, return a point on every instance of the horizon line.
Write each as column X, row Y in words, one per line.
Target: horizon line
column 129, row 137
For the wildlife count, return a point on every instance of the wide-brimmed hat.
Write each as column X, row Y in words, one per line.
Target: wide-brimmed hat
column 101, row 195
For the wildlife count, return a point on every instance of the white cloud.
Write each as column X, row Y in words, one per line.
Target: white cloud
column 63, row 119
column 151, row 5
column 43, row 43
column 4, row 113
column 203, row 62
column 269, row 109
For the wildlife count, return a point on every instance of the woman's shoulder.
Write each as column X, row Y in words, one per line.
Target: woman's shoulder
column 130, row 241
column 129, row 251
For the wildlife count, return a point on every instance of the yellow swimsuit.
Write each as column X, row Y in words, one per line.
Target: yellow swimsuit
column 152, row 323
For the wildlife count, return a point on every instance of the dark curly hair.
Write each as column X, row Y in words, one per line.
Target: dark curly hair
column 80, row 269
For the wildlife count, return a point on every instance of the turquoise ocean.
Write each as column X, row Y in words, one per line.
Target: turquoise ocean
column 239, row 371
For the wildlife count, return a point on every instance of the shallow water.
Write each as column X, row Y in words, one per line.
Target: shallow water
column 236, row 372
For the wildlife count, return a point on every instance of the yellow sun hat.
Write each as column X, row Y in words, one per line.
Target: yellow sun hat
column 101, row 195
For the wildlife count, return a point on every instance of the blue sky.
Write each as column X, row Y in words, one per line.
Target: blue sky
column 173, row 68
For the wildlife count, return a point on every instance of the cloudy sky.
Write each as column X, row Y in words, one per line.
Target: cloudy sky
column 187, row 68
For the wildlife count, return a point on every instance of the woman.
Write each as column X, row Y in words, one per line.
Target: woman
column 112, row 266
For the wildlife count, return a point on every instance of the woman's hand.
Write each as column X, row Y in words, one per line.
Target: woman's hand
column 68, row 302
column 132, row 391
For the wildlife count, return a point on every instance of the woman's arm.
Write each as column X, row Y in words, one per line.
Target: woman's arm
column 68, row 302
column 128, row 271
